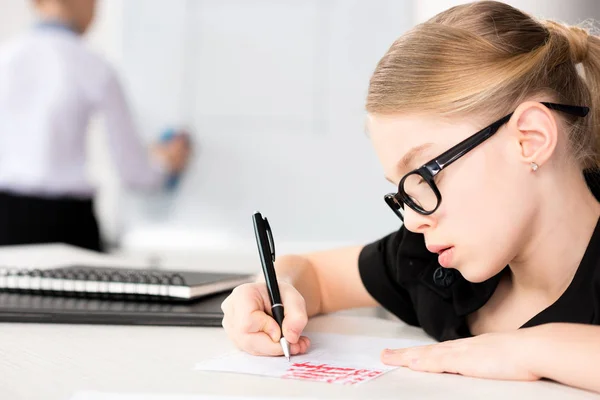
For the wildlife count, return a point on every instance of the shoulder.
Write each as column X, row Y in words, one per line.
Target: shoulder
column 93, row 61
column 92, row 71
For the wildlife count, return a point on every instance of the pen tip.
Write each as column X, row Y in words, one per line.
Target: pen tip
column 286, row 348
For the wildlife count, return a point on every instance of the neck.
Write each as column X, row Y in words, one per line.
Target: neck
column 52, row 11
column 557, row 239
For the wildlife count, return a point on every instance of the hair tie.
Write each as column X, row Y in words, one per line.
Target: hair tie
column 576, row 36
column 578, row 42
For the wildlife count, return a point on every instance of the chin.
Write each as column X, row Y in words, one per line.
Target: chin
column 474, row 272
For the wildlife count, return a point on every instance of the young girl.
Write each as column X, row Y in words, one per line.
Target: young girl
column 483, row 119
column 50, row 87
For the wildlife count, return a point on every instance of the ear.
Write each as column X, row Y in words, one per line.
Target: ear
column 537, row 132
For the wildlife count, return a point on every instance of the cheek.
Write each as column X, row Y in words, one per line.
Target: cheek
column 483, row 212
column 469, row 191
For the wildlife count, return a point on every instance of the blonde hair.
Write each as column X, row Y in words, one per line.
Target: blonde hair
column 485, row 58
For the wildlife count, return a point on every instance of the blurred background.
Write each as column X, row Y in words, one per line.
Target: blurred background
column 273, row 94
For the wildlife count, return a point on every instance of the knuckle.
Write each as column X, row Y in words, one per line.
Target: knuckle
column 245, row 343
column 237, row 290
column 303, row 319
column 245, row 323
column 225, row 304
column 226, row 323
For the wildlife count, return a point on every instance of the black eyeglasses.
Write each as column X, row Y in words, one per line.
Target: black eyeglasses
column 418, row 190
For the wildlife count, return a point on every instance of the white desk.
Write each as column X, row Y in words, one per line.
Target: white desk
column 52, row 362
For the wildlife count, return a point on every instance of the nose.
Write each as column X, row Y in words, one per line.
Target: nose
column 417, row 223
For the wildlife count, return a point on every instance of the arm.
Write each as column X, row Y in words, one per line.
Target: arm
column 566, row 353
column 130, row 155
column 328, row 280
column 320, row 282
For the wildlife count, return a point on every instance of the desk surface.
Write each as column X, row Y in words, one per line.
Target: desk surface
column 51, row 362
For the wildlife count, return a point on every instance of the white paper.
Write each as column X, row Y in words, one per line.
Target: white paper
column 332, row 358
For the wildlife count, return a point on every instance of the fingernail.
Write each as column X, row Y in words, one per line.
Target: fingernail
column 387, row 352
column 414, row 362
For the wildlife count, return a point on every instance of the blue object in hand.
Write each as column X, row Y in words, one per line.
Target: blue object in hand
column 173, row 179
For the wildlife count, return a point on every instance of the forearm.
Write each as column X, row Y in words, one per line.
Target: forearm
column 566, row 353
column 328, row 280
column 136, row 166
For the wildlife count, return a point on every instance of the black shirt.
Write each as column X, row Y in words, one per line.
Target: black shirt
column 406, row 279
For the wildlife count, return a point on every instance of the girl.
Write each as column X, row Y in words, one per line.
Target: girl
column 487, row 121
column 50, row 87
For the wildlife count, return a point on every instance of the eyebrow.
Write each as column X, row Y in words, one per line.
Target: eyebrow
column 411, row 155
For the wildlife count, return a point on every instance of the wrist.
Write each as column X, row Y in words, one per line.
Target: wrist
column 299, row 272
column 534, row 346
column 288, row 267
column 283, row 265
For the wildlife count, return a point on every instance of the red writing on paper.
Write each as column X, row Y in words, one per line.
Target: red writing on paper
column 329, row 373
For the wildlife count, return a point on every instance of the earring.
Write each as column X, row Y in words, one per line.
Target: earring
column 534, row 166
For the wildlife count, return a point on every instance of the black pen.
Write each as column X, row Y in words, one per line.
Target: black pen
column 266, row 250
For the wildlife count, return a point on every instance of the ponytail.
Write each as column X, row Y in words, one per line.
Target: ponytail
column 591, row 69
column 584, row 50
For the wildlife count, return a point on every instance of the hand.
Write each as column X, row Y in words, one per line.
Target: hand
column 174, row 154
column 491, row 355
column 251, row 328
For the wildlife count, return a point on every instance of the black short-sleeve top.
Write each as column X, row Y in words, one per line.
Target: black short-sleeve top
column 406, row 279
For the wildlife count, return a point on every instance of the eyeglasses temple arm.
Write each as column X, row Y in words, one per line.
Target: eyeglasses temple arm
column 454, row 153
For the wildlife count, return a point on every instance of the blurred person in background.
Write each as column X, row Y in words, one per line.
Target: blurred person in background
column 50, row 87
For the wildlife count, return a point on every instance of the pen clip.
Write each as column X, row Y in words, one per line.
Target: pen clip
column 270, row 237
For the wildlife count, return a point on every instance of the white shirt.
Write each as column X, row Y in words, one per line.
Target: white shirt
column 50, row 86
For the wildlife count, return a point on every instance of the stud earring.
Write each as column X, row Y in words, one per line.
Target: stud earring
column 534, row 166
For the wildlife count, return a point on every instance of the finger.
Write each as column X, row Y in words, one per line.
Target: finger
column 434, row 358
column 300, row 347
column 259, row 321
column 260, row 344
column 249, row 313
column 304, row 344
column 248, row 298
column 403, row 357
column 295, row 318
column 393, row 357
column 430, row 361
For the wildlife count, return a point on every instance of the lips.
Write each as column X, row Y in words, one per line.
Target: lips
column 438, row 248
column 444, row 252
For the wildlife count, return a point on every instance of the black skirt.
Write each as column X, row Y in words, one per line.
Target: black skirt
column 31, row 220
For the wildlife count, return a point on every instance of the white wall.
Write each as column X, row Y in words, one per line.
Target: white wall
column 14, row 16
column 274, row 91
